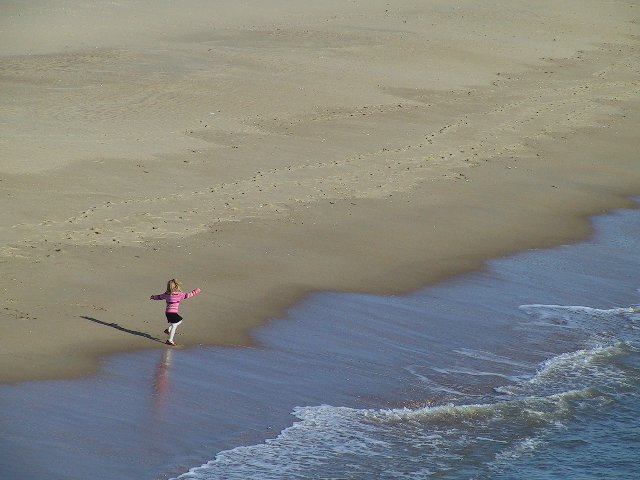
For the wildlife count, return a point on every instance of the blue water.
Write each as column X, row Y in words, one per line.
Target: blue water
column 528, row 369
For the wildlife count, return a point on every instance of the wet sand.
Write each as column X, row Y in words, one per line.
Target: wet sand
column 265, row 153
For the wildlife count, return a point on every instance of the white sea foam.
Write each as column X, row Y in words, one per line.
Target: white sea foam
column 526, row 446
column 575, row 316
column 595, row 326
column 368, row 443
column 476, row 373
column 489, row 357
column 574, row 370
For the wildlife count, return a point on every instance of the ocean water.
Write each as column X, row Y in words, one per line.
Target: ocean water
column 527, row 369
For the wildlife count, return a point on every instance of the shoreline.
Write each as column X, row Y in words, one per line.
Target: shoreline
column 411, row 188
column 476, row 339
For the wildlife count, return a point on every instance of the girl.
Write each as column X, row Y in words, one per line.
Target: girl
column 173, row 297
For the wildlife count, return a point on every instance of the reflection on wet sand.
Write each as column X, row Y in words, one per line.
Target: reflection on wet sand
column 161, row 382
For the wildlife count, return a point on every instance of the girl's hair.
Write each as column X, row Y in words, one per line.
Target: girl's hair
column 173, row 285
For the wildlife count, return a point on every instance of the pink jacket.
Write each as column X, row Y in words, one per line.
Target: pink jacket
column 174, row 298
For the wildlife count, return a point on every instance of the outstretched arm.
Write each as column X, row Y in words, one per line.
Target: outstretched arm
column 192, row 293
column 156, row 297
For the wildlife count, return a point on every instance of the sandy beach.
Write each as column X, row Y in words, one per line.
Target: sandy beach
column 265, row 150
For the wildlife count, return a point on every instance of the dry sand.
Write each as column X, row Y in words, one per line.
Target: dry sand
column 262, row 150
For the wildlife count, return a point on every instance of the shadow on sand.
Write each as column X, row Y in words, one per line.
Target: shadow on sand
column 122, row 329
